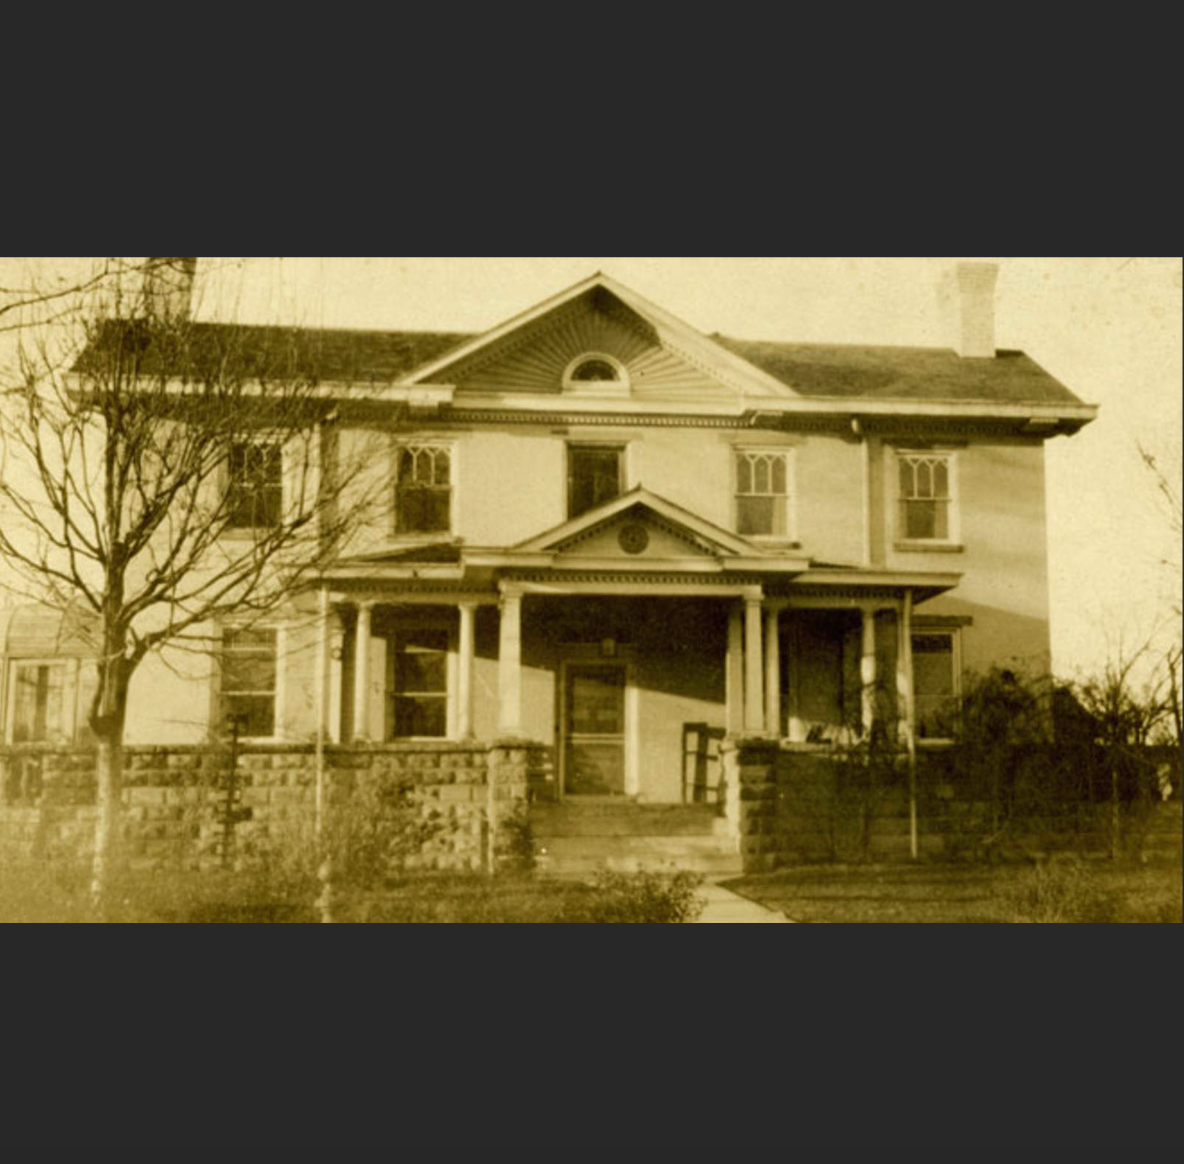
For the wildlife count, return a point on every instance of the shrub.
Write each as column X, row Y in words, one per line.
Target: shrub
column 642, row 897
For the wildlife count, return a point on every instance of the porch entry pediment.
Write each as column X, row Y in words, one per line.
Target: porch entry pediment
column 639, row 525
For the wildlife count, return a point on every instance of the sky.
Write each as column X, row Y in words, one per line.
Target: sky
column 1108, row 328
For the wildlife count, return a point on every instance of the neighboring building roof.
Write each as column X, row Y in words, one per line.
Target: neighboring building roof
column 35, row 631
column 899, row 373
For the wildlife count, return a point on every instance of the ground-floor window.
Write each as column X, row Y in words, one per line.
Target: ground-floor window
column 40, row 709
column 248, row 681
column 935, row 683
column 419, row 683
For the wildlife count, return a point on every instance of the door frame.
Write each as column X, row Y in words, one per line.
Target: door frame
column 591, row 657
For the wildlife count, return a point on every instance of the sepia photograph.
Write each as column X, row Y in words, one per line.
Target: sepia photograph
column 585, row 590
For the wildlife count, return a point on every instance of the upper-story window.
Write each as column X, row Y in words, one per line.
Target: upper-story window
column 596, row 372
column 423, row 490
column 594, row 476
column 762, row 492
column 255, row 491
column 926, row 496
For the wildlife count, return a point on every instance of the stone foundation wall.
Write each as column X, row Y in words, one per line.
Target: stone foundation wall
column 176, row 800
column 790, row 807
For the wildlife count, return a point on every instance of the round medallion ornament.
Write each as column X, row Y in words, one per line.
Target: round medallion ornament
column 633, row 538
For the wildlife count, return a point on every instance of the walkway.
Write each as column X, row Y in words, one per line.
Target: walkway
column 722, row 905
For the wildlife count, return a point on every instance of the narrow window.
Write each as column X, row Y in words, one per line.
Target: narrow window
column 762, row 494
column 423, row 493
column 38, row 703
column 420, row 684
column 249, row 681
column 593, row 477
column 935, row 684
column 256, row 492
column 925, row 496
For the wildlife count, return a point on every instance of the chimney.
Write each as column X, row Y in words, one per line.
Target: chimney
column 976, row 305
column 168, row 287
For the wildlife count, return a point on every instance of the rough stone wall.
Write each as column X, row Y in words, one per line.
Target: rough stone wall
column 793, row 807
column 175, row 799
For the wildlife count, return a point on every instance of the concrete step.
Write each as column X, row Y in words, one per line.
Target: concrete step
column 589, row 854
column 575, row 819
column 719, row 865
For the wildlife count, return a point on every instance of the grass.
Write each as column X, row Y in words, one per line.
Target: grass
column 1069, row 891
column 37, row 893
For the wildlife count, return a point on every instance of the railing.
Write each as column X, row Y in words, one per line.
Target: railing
column 702, row 769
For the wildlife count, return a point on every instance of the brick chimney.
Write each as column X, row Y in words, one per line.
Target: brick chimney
column 976, row 310
column 168, row 287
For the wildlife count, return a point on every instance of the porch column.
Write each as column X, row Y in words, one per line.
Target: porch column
column 773, row 672
column 735, row 671
column 509, row 665
column 362, row 727
column 908, row 717
column 754, row 696
column 336, row 656
column 867, row 669
column 464, row 679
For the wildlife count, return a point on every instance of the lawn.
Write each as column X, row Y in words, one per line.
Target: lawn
column 1094, row 891
column 32, row 893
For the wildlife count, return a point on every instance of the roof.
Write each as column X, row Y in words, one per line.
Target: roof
column 337, row 355
column 47, row 632
column 821, row 371
column 902, row 373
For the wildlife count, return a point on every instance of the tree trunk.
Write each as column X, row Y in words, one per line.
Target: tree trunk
column 111, row 700
column 1115, row 814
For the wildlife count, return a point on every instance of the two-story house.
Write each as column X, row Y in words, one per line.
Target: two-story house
column 609, row 534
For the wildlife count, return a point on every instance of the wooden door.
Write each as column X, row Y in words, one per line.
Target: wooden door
column 594, row 730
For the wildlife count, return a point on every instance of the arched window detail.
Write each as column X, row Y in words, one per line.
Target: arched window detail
column 596, row 373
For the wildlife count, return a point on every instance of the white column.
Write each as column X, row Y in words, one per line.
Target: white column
column 509, row 665
column 754, row 696
column 336, row 656
column 464, row 678
column 867, row 669
column 773, row 672
column 362, row 727
column 735, row 671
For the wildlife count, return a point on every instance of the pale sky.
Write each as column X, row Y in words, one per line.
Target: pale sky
column 1108, row 328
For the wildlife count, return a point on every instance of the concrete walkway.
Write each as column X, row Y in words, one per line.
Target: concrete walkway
column 722, row 905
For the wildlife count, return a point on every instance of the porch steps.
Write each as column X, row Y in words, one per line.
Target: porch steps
column 577, row 839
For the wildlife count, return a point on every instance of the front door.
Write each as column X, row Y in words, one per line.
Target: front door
column 594, row 730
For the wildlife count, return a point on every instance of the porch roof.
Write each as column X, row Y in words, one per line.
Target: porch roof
column 825, row 586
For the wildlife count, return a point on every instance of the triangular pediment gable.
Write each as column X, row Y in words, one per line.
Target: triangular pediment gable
column 660, row 357
column 637, row 525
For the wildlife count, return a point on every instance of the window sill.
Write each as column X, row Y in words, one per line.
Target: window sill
column 248, row 535
column 774, row 541
column 921, row 547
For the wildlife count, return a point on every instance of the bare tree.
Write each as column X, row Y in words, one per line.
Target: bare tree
column 172, row 475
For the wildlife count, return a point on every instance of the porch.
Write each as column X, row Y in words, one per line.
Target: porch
column 615, row 677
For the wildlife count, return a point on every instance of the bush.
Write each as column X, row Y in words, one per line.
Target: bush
column 1076, row 891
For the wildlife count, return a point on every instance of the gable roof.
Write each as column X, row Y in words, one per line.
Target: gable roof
column 718, row 540
column 823, row 372
column 668, row 331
